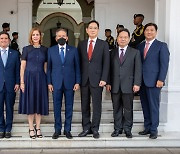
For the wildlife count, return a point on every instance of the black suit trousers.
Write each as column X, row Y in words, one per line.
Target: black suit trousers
column 122, row 110
column 89, row 93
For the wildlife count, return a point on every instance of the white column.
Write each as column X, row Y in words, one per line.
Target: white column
column 109, row 13
column 76, row 38
column 173, row 33
column 102, row 15
column 24, row 21
column 160, row 20
column 170, row 97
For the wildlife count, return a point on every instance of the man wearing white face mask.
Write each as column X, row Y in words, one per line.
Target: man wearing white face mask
column 63, row 79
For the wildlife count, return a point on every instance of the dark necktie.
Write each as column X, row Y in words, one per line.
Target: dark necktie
column 62, row 54
column 4, row 57
column 121, row 56
column 90, row 49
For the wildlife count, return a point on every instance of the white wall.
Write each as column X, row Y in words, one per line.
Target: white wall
column 6, row 16
column 20, row 20
column 73, row 10
column 172, row 35
column 24, row 21
column 109, row 13
column 76, row 14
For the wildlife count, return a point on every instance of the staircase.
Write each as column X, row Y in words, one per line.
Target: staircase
column 20, row 137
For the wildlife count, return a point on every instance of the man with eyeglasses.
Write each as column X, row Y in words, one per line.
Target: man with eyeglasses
column 94, row 62
column 124, row 80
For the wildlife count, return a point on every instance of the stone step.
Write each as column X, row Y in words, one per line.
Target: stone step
column 77, row 128
column 22, row 141
column 105, row 95
column 106, row 117
column 106, row 105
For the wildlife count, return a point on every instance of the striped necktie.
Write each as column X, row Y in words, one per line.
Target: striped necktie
column 121, row 56
column 146, row 49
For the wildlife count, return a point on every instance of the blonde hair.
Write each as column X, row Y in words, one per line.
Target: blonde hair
column 31, row 33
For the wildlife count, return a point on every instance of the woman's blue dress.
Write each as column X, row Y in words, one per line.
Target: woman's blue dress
column 35, row 96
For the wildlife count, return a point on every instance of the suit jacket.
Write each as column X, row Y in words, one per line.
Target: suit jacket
column 155, row 65
column 67, row 73
column 10, row 74
column 97, row 68
column 124, row 76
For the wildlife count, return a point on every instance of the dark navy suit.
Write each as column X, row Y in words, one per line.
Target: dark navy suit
column 9, row 77
column 154, row 68
column 63, row 77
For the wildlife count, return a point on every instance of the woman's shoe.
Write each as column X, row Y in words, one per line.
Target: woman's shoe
column 32, row 136
column 40, row 135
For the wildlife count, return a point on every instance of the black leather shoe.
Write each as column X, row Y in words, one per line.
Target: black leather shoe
column 56, row 135
column 1, row 134
column 68, row 135
column 8, row 135
column 128, row 134
column 95, row 134
column 84, row 133
column 116, row 133
column 144, row 132
column 153, row 136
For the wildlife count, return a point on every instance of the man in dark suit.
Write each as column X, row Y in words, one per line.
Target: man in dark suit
column 63, row 78
column 155, row 60
column 9, row 83
column 125, row 78
column 94, row 61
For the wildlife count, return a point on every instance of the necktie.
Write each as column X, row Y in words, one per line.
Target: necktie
column 121, row 56
column 90, row 49
column 146, row 49
column 4, row 57
column 62, row 54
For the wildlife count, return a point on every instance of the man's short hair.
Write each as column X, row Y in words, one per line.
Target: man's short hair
column 124, row 30
column 139, row 15
column 5, row 25
column 3, row 32
column 93, row 21
column 14, row 33
column 62, row 29
column 119, row 26
column 151, row 24
column 107, row 30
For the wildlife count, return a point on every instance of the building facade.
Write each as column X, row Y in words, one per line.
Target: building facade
column 23, row 14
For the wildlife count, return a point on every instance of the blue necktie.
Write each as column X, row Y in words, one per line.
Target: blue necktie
column 62, row 54
column 4, row 57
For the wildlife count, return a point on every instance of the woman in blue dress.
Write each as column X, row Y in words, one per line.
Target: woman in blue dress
column 33, row 84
